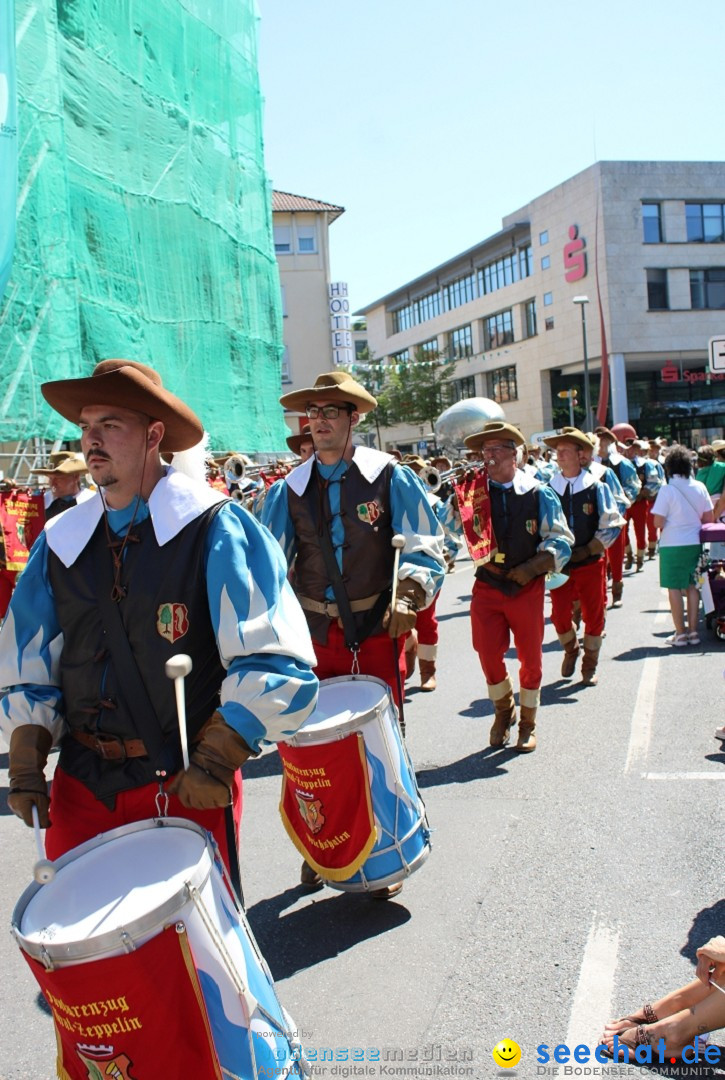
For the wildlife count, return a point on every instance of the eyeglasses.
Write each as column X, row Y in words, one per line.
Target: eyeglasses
column 328, row 412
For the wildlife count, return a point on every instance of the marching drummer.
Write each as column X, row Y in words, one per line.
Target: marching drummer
column 592, row 515
column 153, row 564
column 335, row 517
column 530, row 538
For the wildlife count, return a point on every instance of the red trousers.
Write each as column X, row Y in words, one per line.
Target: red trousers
column 76, row 815
column 652, row 531
column 495, row 616
column 615, row 555
column 379, row 655
column 586, row 585
column 426, row 624
column 637, row 514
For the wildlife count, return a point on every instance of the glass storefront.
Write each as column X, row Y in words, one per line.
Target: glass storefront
column 684, row 403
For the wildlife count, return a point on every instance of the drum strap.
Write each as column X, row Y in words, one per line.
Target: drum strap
column 354, row 635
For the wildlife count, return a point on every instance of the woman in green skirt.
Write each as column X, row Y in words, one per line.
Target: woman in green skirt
column 682, row 506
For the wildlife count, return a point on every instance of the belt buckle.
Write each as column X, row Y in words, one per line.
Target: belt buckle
column 104, row 744
column 328, row 604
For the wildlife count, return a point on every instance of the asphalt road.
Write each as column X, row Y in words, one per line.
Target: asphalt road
column 564, row 886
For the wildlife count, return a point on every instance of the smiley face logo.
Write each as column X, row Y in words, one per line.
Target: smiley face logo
column 506, row 1053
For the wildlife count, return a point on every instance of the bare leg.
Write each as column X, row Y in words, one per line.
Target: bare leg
column 693, row 608
column 684, row 998
column 680, row 1029
column 677, row 608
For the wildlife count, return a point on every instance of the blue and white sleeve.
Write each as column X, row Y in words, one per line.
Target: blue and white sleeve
column 556, row 536
column 30, row 648
column 652, row 482
column 422, row 558
column 275, row 516
column 269, row 689
column 612, row 481
column 630, row 481
column 610, row 520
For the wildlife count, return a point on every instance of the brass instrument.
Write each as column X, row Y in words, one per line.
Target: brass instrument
column 436, row 479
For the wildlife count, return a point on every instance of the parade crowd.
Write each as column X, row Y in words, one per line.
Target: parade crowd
column 275, row 580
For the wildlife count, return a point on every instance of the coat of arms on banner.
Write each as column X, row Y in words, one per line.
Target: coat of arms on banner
column 369, row 512
column 172, row 621
column 311, row 810
column 105, row 1061
column 532, row 526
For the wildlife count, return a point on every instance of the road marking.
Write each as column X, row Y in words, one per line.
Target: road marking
column 592, row 1003
column 683, row 776
column 641, row 729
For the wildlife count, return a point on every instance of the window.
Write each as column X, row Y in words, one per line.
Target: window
column 707, row 288
column 546, row 262
column 549, row 323
column 544, row 237
column 460, row 343
column 548, row 299
column 282, row 239
column 426, row 307
column 402, row 357
column 428, row 349
column 286, row 377
column 651, row 223
column 505, row 271
column 657, row 290
column 459, row 292
column 530, row 318
column 705, row 222
column 306, row 239
column 498, row 330
column 502, row 384
column 463, row 388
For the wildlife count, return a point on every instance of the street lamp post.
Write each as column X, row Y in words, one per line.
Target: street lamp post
column 583, row 301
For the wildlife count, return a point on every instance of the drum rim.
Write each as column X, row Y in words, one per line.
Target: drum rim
column 126, row 936
column 346, row 727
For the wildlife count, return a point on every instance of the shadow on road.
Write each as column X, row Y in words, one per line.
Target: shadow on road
column 706, row 924
column 266, row 765
column 483, row 765
column 322, row 929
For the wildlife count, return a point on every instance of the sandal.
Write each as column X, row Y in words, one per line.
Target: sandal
column 720, row 733
column 646, row 1015
column 678, row 640
column 641, row 1038
column 693, row 637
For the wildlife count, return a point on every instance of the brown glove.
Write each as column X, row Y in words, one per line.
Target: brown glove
column 541, row 563
column 29, row 748
column 585, row 551
column 207, row 783
column 409, row 600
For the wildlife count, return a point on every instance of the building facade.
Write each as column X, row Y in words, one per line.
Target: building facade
column 302, row 248
column 615, row 279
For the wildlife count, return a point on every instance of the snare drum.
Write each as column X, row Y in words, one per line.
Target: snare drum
column 400, row 835
column 148, row 964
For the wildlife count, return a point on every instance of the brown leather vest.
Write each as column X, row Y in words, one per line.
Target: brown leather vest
column 367, row 552
column 165, row 611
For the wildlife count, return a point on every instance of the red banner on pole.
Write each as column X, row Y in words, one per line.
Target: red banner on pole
column 22, row 517
column 474, row 506
column 131, row 1016
column 326, row 805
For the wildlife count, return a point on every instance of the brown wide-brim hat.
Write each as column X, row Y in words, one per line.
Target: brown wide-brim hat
column 295, row 441
column 495, row 429
column 129, row 385
column 718, row 444
column 414, row 461
column 607, row 433
column 71, row 464
column 572, row 434
column 333, row 386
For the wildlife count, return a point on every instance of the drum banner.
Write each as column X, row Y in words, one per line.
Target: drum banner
column 474, row 506
column 326, row 805
column 22, row 517
column 130, row 1016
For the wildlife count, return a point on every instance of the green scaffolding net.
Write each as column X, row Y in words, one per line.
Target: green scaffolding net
column 144, row 213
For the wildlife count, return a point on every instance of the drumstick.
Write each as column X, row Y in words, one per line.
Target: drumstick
column 398, row 543
column 177, row 668
column 43, row 871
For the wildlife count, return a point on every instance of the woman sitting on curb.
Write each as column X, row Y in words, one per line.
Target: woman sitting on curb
column 679, row 1017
